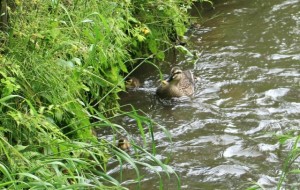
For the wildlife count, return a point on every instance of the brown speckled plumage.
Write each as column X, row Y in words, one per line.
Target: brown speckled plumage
column 123, row 144
column 180, row 83
column 132, row 83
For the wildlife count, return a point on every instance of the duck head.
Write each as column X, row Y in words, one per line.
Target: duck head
column 123, row 144
column 176, row 75
column 132, row 82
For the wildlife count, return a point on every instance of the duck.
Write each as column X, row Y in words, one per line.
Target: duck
column 180, row 83
column 123, row 144
column 132, row 83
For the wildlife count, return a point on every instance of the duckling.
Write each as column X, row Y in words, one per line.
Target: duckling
column 180, row 83
column 132, row 83
column 123, row 144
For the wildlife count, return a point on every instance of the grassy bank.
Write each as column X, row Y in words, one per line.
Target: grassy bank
column 62, row 65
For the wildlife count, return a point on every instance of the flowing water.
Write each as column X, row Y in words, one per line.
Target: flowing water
column 247, row 93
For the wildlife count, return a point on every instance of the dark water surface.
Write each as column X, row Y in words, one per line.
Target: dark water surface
column 247, row 93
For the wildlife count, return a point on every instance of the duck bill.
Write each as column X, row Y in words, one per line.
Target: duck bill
column 169, row 78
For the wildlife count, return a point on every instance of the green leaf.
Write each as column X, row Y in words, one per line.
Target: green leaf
column 20, row 147
column 295, row 171
column 160, row 55
column 140, row 37
column 122, row 66
column 184, row 50
column 152, row 45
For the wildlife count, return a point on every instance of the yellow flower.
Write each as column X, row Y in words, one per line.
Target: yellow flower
column 145, row 30
column 17, row 2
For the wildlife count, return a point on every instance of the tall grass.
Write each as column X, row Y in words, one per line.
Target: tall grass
column 62, row 65
column 290, row 165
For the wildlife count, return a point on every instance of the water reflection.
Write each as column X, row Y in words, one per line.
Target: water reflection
column 248, row 92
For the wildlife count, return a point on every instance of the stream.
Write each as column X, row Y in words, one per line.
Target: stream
column 247, row 95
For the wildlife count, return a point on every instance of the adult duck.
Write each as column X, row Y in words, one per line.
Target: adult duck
column 180, row 83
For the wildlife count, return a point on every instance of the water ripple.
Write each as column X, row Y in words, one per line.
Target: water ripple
column 238, row 150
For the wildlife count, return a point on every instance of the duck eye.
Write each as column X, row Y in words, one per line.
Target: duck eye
column 176, row 73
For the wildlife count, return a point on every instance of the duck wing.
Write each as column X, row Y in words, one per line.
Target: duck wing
column 189, row 75
column 186, row 84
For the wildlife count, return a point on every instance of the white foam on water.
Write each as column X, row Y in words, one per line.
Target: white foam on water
column 276, row 93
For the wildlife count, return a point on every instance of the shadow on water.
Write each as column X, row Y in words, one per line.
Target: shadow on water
column 248, row 92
